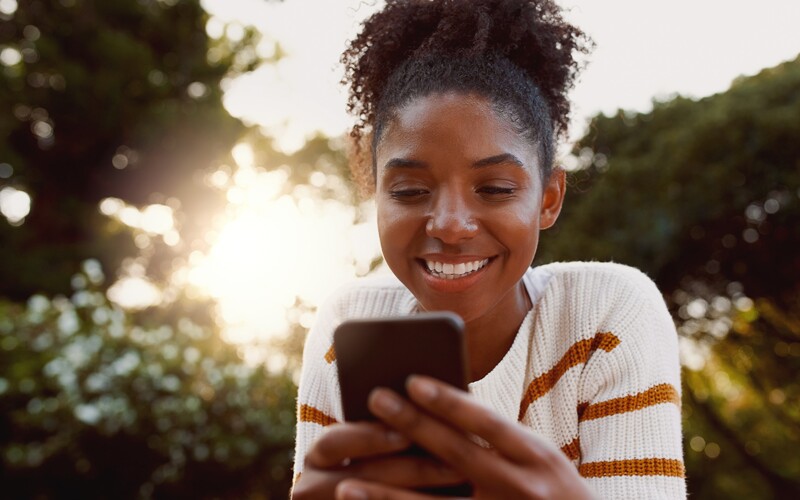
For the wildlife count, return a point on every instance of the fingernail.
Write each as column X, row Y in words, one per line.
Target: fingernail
column 385, row 403
column 423, row 388
column 351, row 492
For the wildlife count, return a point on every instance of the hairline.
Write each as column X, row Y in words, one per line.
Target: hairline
column 385, row 117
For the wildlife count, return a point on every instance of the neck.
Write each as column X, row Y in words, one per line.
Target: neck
column 490, row 337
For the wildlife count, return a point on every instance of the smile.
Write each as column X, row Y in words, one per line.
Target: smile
column 454, row 271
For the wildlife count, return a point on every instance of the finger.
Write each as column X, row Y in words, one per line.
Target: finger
column 343, row 442
column 407, row 471
column 442, row 440
column 353, row 489
column 456, row 407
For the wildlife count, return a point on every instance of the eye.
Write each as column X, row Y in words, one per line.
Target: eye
column 407, row 194
column 496, row 192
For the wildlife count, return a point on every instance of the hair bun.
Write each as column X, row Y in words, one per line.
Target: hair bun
column 532, row 34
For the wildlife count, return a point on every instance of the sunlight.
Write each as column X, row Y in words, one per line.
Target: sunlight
column 243, row 155
column 276, row 249
column 154, row 220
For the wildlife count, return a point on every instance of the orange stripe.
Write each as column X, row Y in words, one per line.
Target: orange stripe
column 296, row 478
column 640, row 467
column 572, row 449
column 578, row 353
column 582, row 408
column 661, row 393
column 330, row 356
column 308, row 413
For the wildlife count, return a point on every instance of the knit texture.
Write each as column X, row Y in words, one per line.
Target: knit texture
column 593, row 368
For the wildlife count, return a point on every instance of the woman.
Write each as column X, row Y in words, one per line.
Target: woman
column 460, row 103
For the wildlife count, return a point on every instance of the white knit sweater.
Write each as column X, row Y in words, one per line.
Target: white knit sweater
column 594, row 369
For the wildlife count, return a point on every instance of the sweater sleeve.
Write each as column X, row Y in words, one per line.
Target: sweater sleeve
column 629, row 418
column 318, row 399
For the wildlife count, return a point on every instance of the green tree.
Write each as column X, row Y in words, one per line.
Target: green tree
column 704, row 196
column 122, row 99
column 111, row 98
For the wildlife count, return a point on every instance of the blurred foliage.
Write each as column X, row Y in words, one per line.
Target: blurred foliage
column 703, row 190
column 704, row 196
column 108, row 98
column 122, row 98
column 98, row 403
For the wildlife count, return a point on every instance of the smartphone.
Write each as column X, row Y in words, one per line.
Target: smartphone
column 383, row 352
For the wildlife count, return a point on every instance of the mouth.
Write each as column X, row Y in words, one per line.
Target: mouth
column 450, row 271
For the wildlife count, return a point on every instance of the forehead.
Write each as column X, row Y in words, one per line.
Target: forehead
column 451, row 124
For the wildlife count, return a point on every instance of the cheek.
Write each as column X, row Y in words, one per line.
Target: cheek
column 519, row 226
column 386, row 218
column 524, row 213
column 396, row 227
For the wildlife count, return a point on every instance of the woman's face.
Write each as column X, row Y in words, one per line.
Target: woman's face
column 460, row 203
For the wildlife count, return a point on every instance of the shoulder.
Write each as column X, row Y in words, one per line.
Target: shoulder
column 611, row 299
column 599, row 276
column 599, row 286
column 591, row 297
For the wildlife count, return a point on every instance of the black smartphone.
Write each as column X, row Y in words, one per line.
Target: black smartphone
column 383, row 352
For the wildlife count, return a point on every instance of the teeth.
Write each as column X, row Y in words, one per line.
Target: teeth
column 452, row 271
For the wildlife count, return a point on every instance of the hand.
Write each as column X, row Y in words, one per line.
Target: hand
column 369, row 452
column 519, row 465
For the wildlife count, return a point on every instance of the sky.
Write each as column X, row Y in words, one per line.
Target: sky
column 645, row 49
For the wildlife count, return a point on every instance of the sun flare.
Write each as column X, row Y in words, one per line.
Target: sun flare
column 278, row 246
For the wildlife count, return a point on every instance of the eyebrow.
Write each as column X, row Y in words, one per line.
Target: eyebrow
column 497, row 160
column 485, row 162
column 404, row 163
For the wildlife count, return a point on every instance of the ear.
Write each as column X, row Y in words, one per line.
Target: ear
column 552, row 198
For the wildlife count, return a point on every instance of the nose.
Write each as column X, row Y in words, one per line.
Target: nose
column 451, row 219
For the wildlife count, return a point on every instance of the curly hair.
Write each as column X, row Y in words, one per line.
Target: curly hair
column 520, row 54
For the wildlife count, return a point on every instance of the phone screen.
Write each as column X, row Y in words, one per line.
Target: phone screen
column 385, row 351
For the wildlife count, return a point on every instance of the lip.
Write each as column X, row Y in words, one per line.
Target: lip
column 457, row 284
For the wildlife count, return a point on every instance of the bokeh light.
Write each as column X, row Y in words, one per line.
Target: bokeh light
column 8, row 7
column 133, row 292
column 15, row 205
